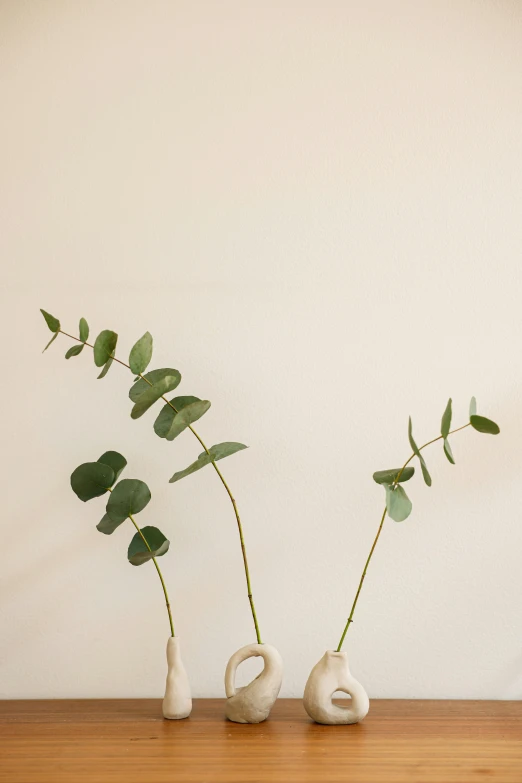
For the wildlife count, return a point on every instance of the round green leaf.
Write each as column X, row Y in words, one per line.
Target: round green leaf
column 389, row 476
column 398, row 503
column 115, row 460
column 91, row 480
column 138, row 552
column 129, row 496
column 481, row 424
column 104, row 347
column 52, row 322
column 153, row 377
column 74, row 351
column 84, row 330
column 141, row 354
column 445, row 424
column 170, row 423
column 217, row 452
column 152, row 394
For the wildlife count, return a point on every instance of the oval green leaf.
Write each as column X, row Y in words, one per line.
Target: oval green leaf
column 398, row 503
column 445, row 424
column 425, row 473
column 106, row 368
column 129, row 496
column 84, row 330
column 91, row 480
column 171, row 424
column 53, row 338
column 472, row 407
column 152, row 394
column 169, row 410
column 447, row 451
column 115, row 460
column 217, row 452
column 481, row 424
column 153, row 377
column 139, row 553
column 74, row 351
column 52, row 322
column 389, row 476
column 141, row 354
column 104, row 347
column 107, row 525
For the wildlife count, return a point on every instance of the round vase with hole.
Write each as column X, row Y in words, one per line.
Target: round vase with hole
column 332, row 674
column 252, row 704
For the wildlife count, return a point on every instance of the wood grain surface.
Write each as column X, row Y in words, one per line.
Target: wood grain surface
column 112, row 741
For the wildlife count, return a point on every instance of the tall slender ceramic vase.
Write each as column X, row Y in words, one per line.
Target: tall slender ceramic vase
column 252, row 704
column 332, row 674
column 177, row 702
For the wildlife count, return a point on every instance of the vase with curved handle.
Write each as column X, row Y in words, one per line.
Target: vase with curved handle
column 252, row 704
column 332, row 674
column 177, row 703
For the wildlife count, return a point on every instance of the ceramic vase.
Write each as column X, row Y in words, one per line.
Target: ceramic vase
column 332, row 674
column 178, row 701
column 252, row 704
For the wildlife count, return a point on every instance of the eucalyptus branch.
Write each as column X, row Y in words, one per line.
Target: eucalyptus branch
column 159, row 574
column 398, row 505
column 106, row 343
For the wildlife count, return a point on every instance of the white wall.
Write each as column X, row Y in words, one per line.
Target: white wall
column 315, row 209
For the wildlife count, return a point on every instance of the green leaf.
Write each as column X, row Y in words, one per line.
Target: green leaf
column 129, row 496
column 472, row 407
column 53, row 338
column 74, row 351
column 91, row 480
column 106, row 368
column 170, row 423
column 141, row 354
column 481, row 424
column 446, row 420
column 416, row 451
column 52, row 322
column 217, row 452
column 164, row 419
column 115, row 460
column 389, row 476
column 104, row 347
column 152, row 394
column 139, row 553
column 447, row 451
column 153, row 377
column 84, row 330
column 107, row 525
column 398, row 503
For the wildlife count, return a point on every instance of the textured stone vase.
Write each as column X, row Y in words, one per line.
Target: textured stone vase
column 177, row 702
column 252, row 704
column 332, row 674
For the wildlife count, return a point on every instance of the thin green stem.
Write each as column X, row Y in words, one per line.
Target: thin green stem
column 222, row 479
column 396, row 481
column 159, row 574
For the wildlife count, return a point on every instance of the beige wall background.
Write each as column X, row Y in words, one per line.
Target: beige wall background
column 315, row 209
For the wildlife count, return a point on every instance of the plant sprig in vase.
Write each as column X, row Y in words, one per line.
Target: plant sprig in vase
column 332, row 672
column 252, row 703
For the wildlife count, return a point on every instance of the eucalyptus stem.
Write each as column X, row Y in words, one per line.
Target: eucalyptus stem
column 222, row 479
column 395, row 482
column 171, row 623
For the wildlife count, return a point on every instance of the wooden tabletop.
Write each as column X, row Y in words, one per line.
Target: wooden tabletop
column 111, row 741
